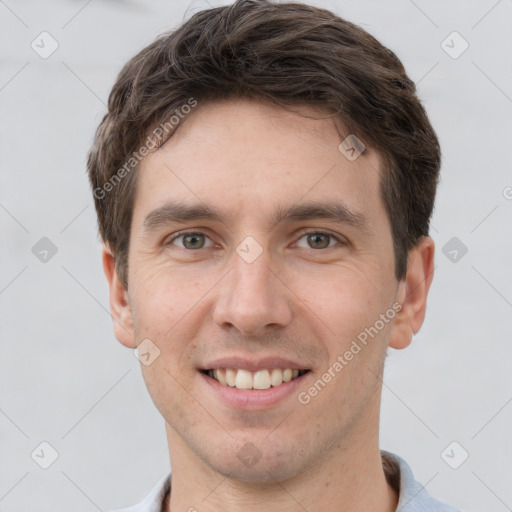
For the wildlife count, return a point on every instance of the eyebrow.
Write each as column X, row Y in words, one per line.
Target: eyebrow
column 176, row 213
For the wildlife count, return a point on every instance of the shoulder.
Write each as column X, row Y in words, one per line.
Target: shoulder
column 413, row 496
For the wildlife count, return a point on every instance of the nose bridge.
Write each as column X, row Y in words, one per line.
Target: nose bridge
column 252, row 279
column 253, row 297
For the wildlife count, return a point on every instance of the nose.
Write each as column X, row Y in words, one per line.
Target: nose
column 252, row 298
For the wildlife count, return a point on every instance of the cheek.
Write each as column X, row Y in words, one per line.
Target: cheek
column 169, row 307
column 161, row 294
column 166, row 385
column 345, row 299
column 355, row 338
column 163, row 304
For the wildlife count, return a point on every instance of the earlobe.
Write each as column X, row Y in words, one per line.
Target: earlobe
column 119, row 305
column 412, row 293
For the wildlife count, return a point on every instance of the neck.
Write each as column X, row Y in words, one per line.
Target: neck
column 349, row 478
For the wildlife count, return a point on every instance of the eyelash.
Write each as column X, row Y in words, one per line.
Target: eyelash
column 302, row 235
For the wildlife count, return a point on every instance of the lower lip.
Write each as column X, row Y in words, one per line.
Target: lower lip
column 253, row 399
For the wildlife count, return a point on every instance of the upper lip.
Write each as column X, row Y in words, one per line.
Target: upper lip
column 254, row 364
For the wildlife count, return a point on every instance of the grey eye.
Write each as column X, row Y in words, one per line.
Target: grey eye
column 318, row 240
column 191, row 240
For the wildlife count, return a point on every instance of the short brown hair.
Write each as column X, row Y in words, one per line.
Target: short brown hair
column 286, row 53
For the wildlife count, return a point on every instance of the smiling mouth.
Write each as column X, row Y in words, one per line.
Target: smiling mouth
column 246, row 379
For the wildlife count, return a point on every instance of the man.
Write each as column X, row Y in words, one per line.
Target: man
column 264, row 180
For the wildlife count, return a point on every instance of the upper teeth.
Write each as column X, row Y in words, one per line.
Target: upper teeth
column 245, row 379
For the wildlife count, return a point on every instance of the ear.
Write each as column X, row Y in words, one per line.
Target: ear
column 119, row 304
column 412, row 293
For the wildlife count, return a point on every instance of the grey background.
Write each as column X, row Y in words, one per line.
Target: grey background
column 64, row 379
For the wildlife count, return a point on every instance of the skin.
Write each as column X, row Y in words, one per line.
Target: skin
column 296, row 300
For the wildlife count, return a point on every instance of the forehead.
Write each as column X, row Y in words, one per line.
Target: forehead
column 248, row 157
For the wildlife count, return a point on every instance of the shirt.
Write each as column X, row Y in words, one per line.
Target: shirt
column 412, row 495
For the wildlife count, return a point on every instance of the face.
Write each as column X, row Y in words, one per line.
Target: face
column 261, row 272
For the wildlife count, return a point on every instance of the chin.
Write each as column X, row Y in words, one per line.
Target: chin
column 263, row 472
column 257, row 461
